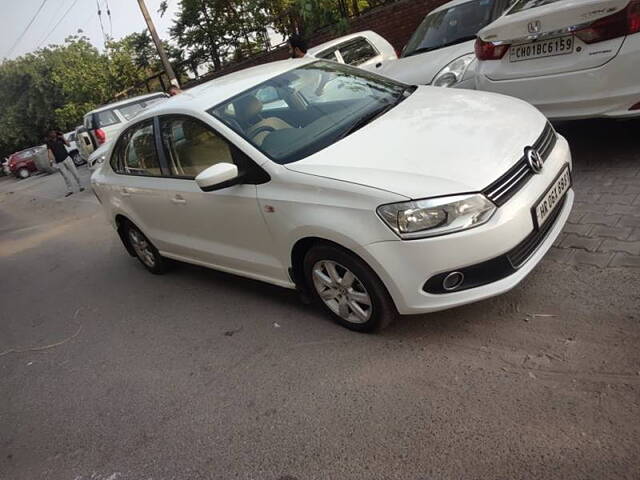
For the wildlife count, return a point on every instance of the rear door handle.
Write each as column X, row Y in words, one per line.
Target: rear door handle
column 125, row 192
column 178, row 199
column 378, row 65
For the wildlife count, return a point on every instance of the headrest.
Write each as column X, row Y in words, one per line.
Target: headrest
column 247, row 107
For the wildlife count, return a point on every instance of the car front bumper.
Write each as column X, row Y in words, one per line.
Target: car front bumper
column 405, row 266
column 608, row 91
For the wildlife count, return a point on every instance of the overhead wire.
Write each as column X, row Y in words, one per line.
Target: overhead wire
column 26, row 29
column 59, row 22
column 109, row 15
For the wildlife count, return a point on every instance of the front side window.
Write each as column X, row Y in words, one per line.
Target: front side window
column 329, row 54
column 136, row 153
column 456, row 24
column 323, row 102
column 191, row 146
column 357, row 51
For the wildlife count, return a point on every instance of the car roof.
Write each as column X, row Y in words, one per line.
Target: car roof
column 125, row 102
column 216, row 91
column 337, row 41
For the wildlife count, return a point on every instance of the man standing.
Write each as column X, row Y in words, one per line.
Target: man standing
column 57, row 152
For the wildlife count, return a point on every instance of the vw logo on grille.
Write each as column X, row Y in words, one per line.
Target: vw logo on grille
column 534, row 159
column 535, row 27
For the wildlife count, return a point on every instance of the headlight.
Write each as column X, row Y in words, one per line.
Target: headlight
column 437, row 216
column 453, row 73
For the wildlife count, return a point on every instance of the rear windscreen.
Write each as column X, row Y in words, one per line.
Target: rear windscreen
column 522, row 5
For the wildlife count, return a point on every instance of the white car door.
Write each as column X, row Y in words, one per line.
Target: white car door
column 138, row 186
column 223, row 228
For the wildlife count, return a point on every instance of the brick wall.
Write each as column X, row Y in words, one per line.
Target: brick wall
column 395, row 22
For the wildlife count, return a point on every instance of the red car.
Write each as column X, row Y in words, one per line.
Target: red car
column 22, row 164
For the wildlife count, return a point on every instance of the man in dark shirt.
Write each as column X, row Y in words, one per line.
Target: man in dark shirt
column 59, row 159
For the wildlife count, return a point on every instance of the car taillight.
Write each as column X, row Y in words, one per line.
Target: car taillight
column 101, row 136
column 490, row 50
column 625, row 22
column 635, row 106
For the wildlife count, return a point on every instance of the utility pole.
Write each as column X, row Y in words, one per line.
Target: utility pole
column 163, row 55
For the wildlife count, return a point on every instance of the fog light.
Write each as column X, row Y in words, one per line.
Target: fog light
column 453, row 281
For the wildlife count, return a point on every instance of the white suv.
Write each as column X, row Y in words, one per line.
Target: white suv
column 392, row 199
column 104, row 123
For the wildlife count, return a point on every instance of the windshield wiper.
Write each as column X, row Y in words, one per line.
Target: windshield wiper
column 448, row 44
column 365, row 120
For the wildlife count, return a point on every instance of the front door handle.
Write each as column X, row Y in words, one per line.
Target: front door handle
column 378, row 65
column 125, row 192
column 178, row 199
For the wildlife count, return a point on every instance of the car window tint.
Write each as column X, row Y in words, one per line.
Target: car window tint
column 106, row 118
column 191, row 146
column 456, row 24
column 131, row 110
column 136, row 152
column 357, row 51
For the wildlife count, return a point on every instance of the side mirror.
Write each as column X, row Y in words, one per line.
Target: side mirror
column 218, row 176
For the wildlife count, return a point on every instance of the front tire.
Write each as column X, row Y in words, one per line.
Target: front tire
column 145, row 251
column 347, row 288
column 23, row 173
column 77, row 159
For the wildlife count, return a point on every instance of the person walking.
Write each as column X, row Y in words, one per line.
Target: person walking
column 59, row 159
column 297, row 46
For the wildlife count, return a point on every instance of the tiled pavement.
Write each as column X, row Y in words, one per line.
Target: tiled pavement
column 604, row 226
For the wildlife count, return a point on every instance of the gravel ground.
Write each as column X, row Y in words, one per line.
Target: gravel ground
column 108, row 372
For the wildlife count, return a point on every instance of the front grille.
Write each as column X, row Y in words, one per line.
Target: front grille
column 500, row 191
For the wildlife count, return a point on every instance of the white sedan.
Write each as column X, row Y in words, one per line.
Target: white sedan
column 570, row 58
column 440, row 51
column 375, row 197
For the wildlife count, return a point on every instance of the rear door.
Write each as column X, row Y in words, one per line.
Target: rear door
column 543, row 39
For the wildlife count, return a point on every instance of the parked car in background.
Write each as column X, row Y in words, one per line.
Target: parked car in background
column 104, row 123
column 72, row 148
column 98, row 156
column 366, row 50
column 571, row 59
column 83, row 142
column 394, row 199
column 441, row 50
column 23, row 163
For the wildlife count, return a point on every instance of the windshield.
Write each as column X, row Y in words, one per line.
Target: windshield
column 305, row 110
column 457, row 24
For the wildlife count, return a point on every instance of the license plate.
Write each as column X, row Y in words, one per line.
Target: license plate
column 541, row 48
column 551, row 197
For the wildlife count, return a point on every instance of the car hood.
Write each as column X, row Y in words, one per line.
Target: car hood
column 422, row 68
column 439, row 141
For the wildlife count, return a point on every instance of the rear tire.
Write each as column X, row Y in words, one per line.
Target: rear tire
column 23, row 173
column 348, row 289
column 145, row 251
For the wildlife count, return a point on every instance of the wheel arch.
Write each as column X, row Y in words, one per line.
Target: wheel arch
column 121, row 222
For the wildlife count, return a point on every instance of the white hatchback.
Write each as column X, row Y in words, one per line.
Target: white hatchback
column 375, row 197
column 570, row 58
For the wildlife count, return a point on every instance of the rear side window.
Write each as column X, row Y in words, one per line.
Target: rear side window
column 523, row 5
column 136, row 153
column 191, row 146
column 105, row 118
column 328, row 54
column 357, row 51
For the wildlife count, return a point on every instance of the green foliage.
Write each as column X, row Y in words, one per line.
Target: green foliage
column 55, row 86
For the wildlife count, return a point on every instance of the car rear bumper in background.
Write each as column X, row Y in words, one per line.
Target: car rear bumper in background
column 406, row 266
column 606, row 91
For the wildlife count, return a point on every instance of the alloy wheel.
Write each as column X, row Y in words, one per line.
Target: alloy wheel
column 342, row 291
column 142, row 248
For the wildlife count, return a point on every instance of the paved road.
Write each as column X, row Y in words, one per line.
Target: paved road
column 108, row 372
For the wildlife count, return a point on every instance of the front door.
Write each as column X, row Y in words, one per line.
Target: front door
column 223, row 228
